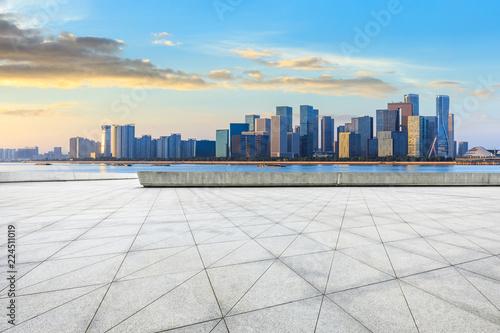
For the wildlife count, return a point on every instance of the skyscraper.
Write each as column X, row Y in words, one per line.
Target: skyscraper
column 433, row 131
column 278, row 136
column 349, row 145
column 406, row 110
column 174, row 146
column 143, row 147
column 286, row 111
column 204, row 148
column 315, row 130
column 413, row 98
column 106, row 140
column 307, row 119
column 418, row 129
column 387, row 120
column 327, row 135
column 451, row 131
column 392, row 143
column 463, row 147
column 250, row 120
column 364, row 127
column 222, row 143
column 263, row 124
column 442, row 113
column 340, row 129
column 235, row 130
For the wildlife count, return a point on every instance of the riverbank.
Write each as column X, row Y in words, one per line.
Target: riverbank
column 265, row 162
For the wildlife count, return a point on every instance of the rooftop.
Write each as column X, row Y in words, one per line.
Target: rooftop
column 113, row 256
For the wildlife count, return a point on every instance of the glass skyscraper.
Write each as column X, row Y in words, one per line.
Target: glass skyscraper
column 286, row 111
column 418, row 131
column 307, row 119
column 413, row 99
column 387, row 120
column 235, row 131
column 222, row 143
column 327, row 136
column 250, row 120
column 442, row 114
column 364, row 127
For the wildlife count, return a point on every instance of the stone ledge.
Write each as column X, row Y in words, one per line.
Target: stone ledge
column 14, row 177
column 313, row 179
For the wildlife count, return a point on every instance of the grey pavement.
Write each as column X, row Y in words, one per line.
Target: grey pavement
column 99, row 256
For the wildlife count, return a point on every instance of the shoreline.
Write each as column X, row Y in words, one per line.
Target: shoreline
column 261, row 162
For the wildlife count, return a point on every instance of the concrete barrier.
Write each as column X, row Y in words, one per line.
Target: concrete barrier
column 13, row 177
column 283, row 179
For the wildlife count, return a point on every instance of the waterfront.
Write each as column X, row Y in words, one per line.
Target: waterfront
column 190, row 167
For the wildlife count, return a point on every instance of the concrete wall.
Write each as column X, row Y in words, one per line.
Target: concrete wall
column 267, row 179
column 11, row 177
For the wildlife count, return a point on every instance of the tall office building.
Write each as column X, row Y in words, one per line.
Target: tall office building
column 106, row 141
column 418, row 131
column 307, row 120
column 235, row 130
column 442, row 114
column 57, row 153
column 279, row 136
column 405, row 111
column 250, row 120
column 340, row 129
column 463, row 147
column 451, row 130
column 316, row 130
column 327, row 134
column 433, row 132
column 204, row 148
column 222, row 143
column 286, row 111
column 364, row 127
column 116, row 139
column 293, row 144
column 387, row 120
column 263, row 125
column 393, row 143
column 413, row 99
column 349, row 145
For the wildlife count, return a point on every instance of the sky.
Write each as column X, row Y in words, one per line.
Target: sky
column 193, row 66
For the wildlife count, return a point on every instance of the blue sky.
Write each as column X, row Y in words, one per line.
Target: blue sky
column 193, row 66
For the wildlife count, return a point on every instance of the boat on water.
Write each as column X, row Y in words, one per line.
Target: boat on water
column 271, row 165
column 43, row 163
column 120, row 164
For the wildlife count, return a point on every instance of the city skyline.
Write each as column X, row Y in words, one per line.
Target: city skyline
column 220, row 63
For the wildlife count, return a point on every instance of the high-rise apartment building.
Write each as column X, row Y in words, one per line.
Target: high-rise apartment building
column 442, row 113
column 106, row 140
column 123, row 141
column 327, row 134
column 174, row 146
column 286, row 111
column 82, row 148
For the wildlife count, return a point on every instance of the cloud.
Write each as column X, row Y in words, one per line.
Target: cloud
column 452, row 85
column 220, row 75
column 161, row 34
column 30, row 58
column 252, row 54
column 255, row 73
column 45, row 111
column 304, row 63
column 166, row 42
column 325, row 85
column 484, row 94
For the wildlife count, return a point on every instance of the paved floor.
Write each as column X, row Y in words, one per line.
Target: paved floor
column 113, row 256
